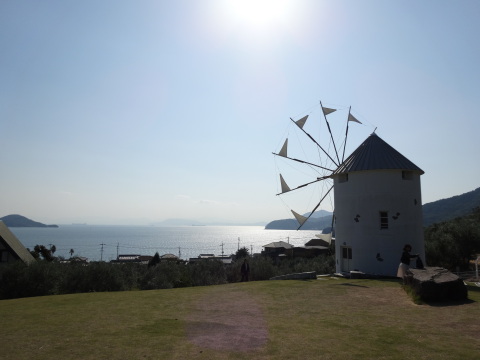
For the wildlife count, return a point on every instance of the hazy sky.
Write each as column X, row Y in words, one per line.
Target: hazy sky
column 138, row 111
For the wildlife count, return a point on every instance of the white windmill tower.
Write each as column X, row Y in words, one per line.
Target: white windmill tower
column 377, row 201
column 378, row 209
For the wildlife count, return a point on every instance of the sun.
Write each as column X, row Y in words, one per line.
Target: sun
column 259, row 13
column 258, row 18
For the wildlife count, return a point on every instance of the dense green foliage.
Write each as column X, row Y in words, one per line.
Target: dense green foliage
column 49, row 278
column 242, row 253
column 43, row 252
column 452, row 244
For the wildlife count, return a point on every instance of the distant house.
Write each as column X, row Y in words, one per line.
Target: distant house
column 169, row 257
column 75, row 260
column 11, row 249
column 133, row 258
column 203, row 257
column 276, row 248
column 320, row 240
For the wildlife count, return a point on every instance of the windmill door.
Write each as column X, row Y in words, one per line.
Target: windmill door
column 346, row 258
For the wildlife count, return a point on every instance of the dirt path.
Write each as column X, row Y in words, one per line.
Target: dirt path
column 227, row 319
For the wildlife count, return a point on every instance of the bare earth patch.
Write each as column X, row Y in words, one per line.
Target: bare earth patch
column 227, row 320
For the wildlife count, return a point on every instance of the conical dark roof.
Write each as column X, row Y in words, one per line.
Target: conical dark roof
column 376, row 154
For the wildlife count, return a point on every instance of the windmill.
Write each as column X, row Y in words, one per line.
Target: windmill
column 377, row 205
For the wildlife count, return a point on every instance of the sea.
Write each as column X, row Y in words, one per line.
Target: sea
column 105, row 243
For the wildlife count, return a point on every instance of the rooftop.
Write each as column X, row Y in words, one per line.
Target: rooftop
column 376, row 154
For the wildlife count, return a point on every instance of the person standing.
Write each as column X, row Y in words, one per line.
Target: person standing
column 245, row 270
column 405, row 262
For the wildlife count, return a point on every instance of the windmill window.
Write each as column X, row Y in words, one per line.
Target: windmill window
column 383, row 220
column 407, row 175
column 343, row 178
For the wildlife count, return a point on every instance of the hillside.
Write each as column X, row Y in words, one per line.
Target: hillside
column 434, row 212
column 292, row 224
column 21, row 221
column 447, row 209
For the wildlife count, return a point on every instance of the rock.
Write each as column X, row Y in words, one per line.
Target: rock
column 437, row 284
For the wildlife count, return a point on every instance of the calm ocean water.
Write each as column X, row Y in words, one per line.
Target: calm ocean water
column 189, row 241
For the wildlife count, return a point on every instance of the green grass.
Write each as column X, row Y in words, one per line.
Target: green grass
column 318, row 319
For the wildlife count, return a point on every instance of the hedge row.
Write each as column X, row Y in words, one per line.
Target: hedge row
column 51, row 278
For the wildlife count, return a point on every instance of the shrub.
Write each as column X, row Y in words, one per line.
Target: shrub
column 165, row 275
column 262, row 268
column 20, row 280
column 208, row 272
column 94, row 277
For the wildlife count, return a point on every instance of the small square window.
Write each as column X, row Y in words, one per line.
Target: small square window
column 383, row 220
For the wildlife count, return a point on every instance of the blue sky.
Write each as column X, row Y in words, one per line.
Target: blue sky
column 138, row 111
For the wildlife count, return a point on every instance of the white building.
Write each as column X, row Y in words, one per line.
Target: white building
column 378, row 209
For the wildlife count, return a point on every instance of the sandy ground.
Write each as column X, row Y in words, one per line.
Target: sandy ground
column 227, row 320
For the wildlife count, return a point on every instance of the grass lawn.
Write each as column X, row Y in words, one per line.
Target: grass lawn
column 317, row 319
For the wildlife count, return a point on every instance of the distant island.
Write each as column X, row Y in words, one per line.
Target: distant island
column 320, row 220
column 21, row 221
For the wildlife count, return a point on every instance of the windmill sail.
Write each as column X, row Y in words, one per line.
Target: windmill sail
column 301, row 123
column 325, row 237
column 353, row 118
column 283, row 151
column 327, row 151
column 300, row 218
column 285, row 187
column 327, row 111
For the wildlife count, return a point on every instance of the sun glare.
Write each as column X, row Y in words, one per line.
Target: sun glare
column 259, row 18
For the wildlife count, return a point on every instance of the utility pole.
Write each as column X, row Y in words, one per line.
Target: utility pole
column 222, row 248
column 118, row 245
column 179, row 253
column 251, row 250
column 101, row 252
column 238, row 247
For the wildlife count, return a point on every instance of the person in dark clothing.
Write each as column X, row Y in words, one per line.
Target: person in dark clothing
column 405, row 261
column 245, row 270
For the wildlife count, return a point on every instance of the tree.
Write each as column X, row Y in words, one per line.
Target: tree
column 42, row 251
column 453, row 243
column 71, row 252
column 155, row 260
column 242, row 253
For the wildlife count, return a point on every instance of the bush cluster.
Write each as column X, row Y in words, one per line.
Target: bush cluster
column 50, row 278
column 452, row 244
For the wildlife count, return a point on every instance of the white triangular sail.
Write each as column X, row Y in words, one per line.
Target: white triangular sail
column 283, row 151
column 302, row 121
column 325, row 237
column 327, row 111
column 300, row 218
column 285, row 187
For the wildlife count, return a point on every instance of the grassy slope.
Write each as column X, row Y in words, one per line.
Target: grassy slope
column 322, row 319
